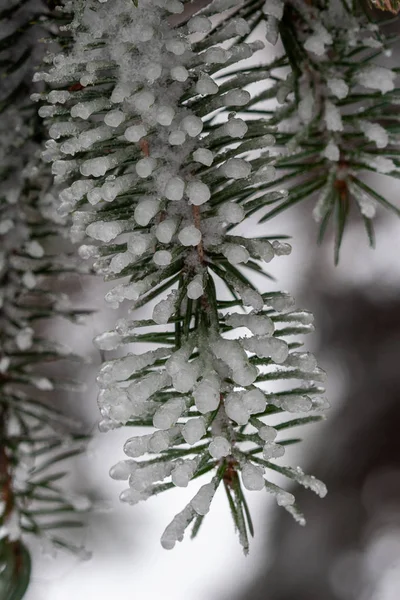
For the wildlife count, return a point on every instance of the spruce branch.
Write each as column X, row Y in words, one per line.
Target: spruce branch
column 34, row 434
column 339, row 104
column 159, row 185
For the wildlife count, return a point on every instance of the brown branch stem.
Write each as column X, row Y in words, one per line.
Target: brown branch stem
column 197, row 222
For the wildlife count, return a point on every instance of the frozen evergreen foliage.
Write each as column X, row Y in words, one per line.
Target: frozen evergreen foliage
column 159, row 150
column 157, row 184
column 34, row 434
column 338, row 114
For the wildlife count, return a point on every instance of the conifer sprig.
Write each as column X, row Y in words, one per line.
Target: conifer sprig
column 159, row 183
column 35, row 436
column 338, row 114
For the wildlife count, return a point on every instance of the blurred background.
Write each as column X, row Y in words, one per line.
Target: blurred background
column 350, row 547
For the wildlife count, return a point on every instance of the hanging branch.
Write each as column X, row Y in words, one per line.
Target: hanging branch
column 34, row 434
column 159, row 184
column 337, row 118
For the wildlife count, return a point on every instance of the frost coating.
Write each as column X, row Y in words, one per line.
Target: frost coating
column 336, row 115
column 219, row 447
column 253, row 477
column 154, row 189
